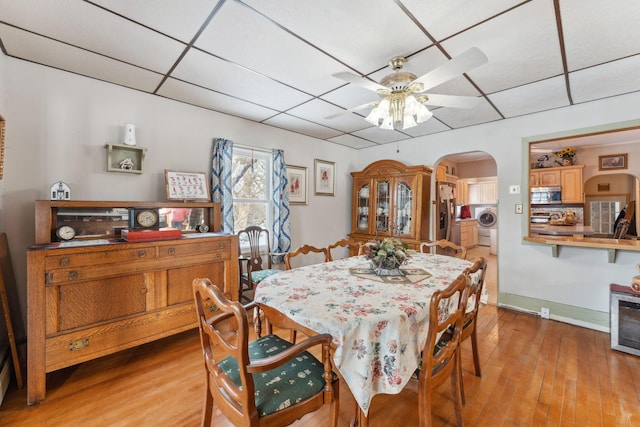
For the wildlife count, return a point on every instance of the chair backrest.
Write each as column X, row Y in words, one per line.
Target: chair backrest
column 225, row 333
column 344, row 243
column 448, row 248
column 254, row 234
column 304, row 250
column 476, row 273
column 446, row 319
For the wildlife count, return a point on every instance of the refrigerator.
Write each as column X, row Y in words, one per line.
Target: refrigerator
column 446, row 211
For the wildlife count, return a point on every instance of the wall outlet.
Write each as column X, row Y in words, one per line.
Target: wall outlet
column 544, row 312
column 519, row 208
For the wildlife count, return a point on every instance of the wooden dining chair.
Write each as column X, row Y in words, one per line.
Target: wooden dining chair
column 444, row 247
column 440, row 353
column 305, row 250
column 354, row 247
column 266, row 382
column 258, row 264
column 476, row 275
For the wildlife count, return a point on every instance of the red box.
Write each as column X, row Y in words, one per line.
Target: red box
column 149, row 235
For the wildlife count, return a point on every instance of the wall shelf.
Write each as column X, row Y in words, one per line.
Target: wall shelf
column 125, row 158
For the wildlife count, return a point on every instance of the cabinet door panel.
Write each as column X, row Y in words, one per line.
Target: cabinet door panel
column 90, row 302
column 179, row 280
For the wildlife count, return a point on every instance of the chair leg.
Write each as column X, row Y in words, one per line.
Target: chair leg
column 424, row 405
column 459, row 356
column 207, row 415
column 456, row 373
column 335, row 404
column 474, row 349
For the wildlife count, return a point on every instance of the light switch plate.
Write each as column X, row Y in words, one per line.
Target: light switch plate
column 514, row 189
column 519, row 208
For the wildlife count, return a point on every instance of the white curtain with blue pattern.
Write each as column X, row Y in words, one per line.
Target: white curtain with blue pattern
column 221, row 180
column 281, row 226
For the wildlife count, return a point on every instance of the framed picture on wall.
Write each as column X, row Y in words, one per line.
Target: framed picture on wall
column 612, row 161
column 297, row 178
column 325, row 175
column 186, row 185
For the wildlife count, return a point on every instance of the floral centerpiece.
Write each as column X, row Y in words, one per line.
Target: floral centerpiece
column 567, row 155
column 386, row 255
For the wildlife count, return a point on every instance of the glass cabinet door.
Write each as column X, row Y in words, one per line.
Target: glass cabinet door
column 362, row 208
column 382, row 206
column 403, row 224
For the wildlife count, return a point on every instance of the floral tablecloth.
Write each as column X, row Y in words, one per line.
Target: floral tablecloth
column 378, row 328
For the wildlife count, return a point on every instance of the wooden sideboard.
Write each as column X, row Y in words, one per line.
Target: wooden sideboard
column 90, row 298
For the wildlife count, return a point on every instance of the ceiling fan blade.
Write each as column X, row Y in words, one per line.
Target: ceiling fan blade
column 351, row 110
column 458, row 65
column 453, row 101
column 360, row 81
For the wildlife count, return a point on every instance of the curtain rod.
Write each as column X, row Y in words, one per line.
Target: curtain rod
column 247, row 147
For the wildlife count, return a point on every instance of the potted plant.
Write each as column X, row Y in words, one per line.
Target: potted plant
column 386, row 255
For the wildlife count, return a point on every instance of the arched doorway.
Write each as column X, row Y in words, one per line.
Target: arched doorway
column 473, row 178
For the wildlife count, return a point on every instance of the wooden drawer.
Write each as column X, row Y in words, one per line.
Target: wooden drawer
column 79, row 346
column 102, row 257
column 219, row 248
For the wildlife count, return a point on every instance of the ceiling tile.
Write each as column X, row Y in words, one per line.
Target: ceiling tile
column 597, row 31
column 380, row 136
column 205, row 70
column 352, row 141
column 432, row 125
column 539, row 96
column 181, row 20
column 458, row 117
column 268, row 49
column 76, row 23
column 445, row 18
column 362, row 34
column 316, row 111
column 622, row 76
column 522, row 46
column 195, row 95
column 22, row 44
column 285, row 121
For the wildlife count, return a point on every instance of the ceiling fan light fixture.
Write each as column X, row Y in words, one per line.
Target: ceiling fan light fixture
column 408, row 122
column 387, row 123
column 378, row 113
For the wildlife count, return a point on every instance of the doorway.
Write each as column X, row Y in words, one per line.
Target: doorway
column 474, row 177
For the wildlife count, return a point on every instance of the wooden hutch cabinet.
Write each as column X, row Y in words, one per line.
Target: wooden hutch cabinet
column 391, row 199
column 96, row 295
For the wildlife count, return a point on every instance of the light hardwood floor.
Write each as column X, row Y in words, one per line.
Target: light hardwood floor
column 491, row 278
column 536, row 372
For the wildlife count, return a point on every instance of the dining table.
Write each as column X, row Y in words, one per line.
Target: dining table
column 378, row 324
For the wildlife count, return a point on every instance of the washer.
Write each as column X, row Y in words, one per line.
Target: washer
column 487, row 219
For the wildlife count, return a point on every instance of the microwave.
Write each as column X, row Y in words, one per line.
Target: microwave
column 546, row 195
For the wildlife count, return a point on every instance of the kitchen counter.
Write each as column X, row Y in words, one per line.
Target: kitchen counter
column 465, row 219
column 562, row 230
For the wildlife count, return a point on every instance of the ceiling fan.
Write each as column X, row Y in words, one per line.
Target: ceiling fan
column 399, row 105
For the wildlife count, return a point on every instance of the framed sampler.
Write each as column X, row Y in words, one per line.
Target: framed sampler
column 186, row 185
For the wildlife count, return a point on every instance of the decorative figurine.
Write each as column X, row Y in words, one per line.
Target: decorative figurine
column 60, row 191
column 127, row 164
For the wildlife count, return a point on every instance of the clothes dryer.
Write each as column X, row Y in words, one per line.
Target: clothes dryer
column 487, row 218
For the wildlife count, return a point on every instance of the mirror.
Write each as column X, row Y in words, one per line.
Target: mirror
column 185, row 219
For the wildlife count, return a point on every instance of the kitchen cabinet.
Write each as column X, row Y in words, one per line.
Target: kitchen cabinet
column 93, row 297
column 482, row 193
column 467, row 233
column 462, row 192
column 571, row 183
column 567, row 177
column 548, row 177
column 445, row 172
column 391, row 199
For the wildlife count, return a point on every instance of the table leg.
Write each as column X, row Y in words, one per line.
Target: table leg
column 359, row 419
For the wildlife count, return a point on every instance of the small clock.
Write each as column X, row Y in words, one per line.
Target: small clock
column 65, row 232
column 144, row 218
column 202, row 228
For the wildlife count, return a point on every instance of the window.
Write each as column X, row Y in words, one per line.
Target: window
column 251, row 174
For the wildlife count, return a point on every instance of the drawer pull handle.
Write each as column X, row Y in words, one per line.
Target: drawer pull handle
column 73, row 275
column 79, row 344
column 142, row 254
column 218, row 256
column 172, row 251
column 221, row 245
column 64, row 261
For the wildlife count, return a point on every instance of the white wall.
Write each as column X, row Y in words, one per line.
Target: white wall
column 59, row 123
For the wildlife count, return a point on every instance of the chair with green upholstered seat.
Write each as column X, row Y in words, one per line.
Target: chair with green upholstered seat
column 252, row 271
column 267, row 382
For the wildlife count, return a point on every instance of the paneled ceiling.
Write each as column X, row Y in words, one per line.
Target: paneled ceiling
column 272, row 61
